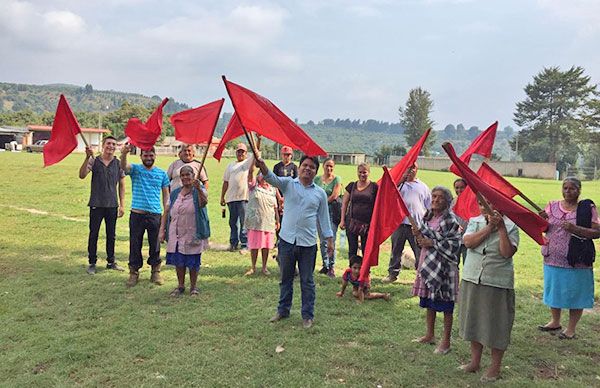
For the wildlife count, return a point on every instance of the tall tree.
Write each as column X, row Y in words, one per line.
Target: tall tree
column 556, row 116
column 414, row 116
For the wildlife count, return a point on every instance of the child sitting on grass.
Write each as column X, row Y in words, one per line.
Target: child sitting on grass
column 360, row 292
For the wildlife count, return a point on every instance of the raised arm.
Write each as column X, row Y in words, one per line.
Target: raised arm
column 124, row 165
column 84, row 169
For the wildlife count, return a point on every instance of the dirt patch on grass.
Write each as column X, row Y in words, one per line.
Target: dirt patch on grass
column 39, row 368
column 546, row 370
column 38, row 212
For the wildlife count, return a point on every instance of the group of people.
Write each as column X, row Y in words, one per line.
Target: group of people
column 294, row 207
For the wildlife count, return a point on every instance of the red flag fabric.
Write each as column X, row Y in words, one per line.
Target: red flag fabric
column 262, row 116
column 145, row 135
column 466, row 203
column 528, row 221
column 234, row 129
column 197, row 126
column 409, row 159
column 482, row 145
column 388, row 212
column 63, row 138
column 497, row 181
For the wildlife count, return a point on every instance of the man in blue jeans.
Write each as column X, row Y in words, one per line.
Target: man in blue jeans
column 234, row 193
column 305, row 204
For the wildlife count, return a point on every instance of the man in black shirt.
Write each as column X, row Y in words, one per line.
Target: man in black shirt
column 286, row 167
column 107, row 175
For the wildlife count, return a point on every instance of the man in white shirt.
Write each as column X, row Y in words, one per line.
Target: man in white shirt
column 417, row 197
column 186, row 158
column 234, row 193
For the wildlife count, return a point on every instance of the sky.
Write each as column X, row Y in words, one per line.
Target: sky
column 315, row 59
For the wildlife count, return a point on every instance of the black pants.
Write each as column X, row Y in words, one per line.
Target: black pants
column 109, row 215
column 138, row 224
column 399, row 238
column 353, row 243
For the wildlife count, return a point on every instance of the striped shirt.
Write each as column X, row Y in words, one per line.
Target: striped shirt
column 147, row 187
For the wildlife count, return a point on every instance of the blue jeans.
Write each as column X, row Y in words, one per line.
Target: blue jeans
column 328, row 262
column 237, row 214
column 289, row 254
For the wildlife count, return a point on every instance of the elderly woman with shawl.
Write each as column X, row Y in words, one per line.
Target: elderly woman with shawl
column 436, row 284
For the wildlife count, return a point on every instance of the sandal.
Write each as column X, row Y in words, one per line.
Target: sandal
column 547, row 328
column 562, row 336
column 177, row 292
column 194, row 291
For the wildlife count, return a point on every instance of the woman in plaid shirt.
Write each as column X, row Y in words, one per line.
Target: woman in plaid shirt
column 436, row 283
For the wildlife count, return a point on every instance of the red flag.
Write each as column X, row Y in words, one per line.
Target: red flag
column 260, row 115
column 388, row 212
column 466, row 203
column 497, row 181
column 409, row 159
column 234, row 129
column 145, row 135
column 197, row 126
column 63, row 138
column 528, row 221
column 482, row 145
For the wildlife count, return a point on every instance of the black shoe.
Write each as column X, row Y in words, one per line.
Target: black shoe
column 91, row 269
column 323, row 270
column 114, row 266
column 276, row 318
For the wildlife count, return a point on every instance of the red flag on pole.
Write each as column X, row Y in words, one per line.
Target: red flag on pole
column 234, row 129
column 482, row 145
column 145, row 135
column 197, row 126
column 260, row 115
column 63, row 138
column 497, row 181
column 388, row 212
column 466, row 203
column 528, row 221
column 409, row 159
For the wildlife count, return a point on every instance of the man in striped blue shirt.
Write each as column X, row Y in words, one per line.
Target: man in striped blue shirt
column 148, row 182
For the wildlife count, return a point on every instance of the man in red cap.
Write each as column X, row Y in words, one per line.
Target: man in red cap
column 234, row 193
column 286, row 167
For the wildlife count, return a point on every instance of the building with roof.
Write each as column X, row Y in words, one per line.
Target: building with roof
column 42, row 132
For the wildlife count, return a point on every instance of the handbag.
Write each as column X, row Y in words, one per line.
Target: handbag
column 335, row 211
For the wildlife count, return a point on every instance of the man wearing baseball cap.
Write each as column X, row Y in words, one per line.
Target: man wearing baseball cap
column 286, row 167
column 234, row 193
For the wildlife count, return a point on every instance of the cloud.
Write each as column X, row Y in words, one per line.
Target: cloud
column 24, row 24
column 584, row 14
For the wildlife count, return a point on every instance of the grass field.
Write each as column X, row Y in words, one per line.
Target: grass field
column 62, row 327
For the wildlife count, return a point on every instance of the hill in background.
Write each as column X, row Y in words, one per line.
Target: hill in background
column 43, row 98
column 22, row 104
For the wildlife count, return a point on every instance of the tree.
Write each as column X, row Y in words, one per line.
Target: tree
column 414, row 116
column 449, row 132
column 556, row 116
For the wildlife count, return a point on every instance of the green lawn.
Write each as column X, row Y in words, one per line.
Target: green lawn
column 62, row 327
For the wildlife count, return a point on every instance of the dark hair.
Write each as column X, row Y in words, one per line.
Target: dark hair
column 314, row 159
column 153, row 150
column 355, row 259
column 460, row 180
column 108, row 137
